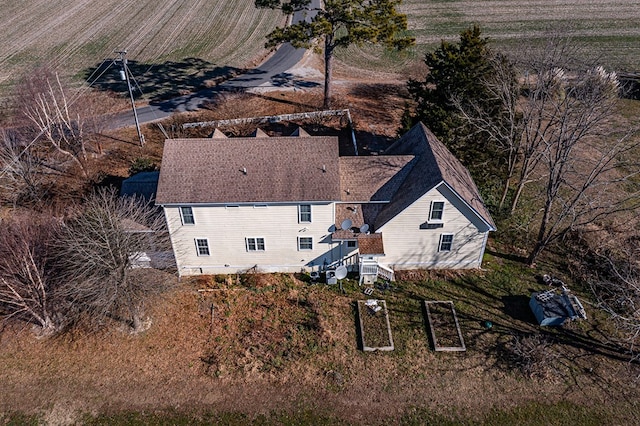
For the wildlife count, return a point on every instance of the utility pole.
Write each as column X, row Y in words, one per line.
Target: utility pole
column 125, row 71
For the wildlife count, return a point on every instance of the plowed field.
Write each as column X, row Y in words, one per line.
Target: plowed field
column 76, row 34
column 609, row 28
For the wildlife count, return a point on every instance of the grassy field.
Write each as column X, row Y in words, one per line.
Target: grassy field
column 277, row 350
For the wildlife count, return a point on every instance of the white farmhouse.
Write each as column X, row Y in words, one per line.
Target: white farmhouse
column 286, row 204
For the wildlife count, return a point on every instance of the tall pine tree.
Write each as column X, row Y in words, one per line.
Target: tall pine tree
column 457, row 79
column 340, row 23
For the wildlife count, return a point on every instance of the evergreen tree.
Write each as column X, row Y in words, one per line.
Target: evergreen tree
column 457, row 81
column 340, row 23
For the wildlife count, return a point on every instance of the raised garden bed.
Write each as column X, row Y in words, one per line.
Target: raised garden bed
column 375, row 330
column 444, row 326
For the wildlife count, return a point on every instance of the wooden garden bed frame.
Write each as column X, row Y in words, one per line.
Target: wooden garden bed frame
column 434, row 322
column 382, row 316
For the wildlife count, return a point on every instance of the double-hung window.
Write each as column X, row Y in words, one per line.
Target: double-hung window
column 437, row 211
column 305, row 243
column 446, row 242
column 254, row 244
column 186, row 214
column 304, row 213
column 202, row 247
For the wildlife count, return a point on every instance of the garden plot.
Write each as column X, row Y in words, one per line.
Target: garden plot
column 375, row 330
column 444, row 327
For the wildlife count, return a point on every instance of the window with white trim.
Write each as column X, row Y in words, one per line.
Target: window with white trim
column 304, row 213
column 186, row 215
column 352, row 243
column 446, row 242
column 305, row 243
column 202, row 247
column 436, row 212
column 254, row 244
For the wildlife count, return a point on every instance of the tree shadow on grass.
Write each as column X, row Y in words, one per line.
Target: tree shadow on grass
column 159, row 81
column 507, row 256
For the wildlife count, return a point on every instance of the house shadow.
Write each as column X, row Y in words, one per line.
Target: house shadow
column 517, row 307
column 159, row 81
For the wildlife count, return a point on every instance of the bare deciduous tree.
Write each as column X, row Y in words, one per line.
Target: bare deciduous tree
column 57, row 124
column 556, row 129
column 28, row 290
column 582, row 162
column 97, row 253
column 503, row 126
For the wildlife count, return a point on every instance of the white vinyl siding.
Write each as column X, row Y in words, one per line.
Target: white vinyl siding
column 186, row 215
column 202, row 247
column 409, row 244
column 228, row 227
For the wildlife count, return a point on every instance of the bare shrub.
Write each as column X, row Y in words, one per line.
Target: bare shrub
column 22, row 172
column 533, row 355
column 608, row 263
column 98, row 252
column 238, row 105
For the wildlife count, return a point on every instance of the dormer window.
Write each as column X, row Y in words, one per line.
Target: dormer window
column 436, row 214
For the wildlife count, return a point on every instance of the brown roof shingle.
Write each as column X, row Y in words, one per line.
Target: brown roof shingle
column 308, row 168
column 244, row 170
column 370, row 244
column 435, row 164
column 372, row 178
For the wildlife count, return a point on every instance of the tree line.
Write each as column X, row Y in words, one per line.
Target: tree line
column 542, row 122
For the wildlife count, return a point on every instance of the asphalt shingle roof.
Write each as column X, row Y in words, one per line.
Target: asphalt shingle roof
column 372, row 178
column 245, row 170
column 435, row 164
column 370, row 244
column 308, row 168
